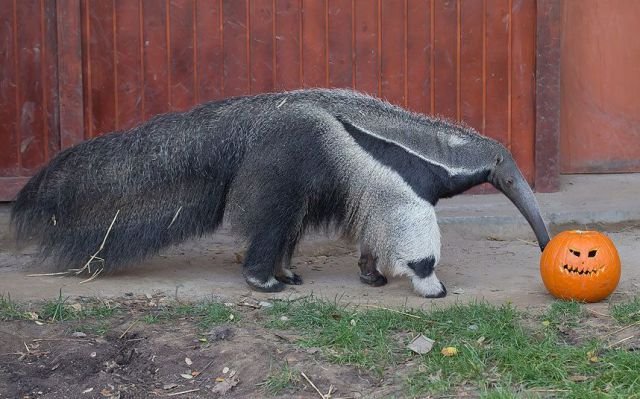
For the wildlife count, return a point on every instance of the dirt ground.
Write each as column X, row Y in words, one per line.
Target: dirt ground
column 148, row 360
column 494, row 269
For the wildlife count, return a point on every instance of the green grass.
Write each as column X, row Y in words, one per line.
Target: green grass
column 501, row 353
column 206, row 314
column 627, row 312
column 564, row 313
column 9, row 310
column 59, row 309
column 285, row 378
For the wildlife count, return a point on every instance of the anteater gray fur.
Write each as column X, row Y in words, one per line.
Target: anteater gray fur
column 273, row 165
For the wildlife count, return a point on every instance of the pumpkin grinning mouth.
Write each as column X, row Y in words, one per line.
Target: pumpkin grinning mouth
column 581, row 272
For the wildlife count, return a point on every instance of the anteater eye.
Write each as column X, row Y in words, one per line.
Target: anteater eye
column 592, row 253
column 576, row 253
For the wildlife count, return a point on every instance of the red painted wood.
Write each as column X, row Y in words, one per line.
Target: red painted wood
column 9, row 134
column 471, row 64
column 340, row 43
column 314, row 49
column 262, row 46
column 156, row 98
column 236, row 60
column 129, row 85
column 523, row 85
column 367, row 70
column 209, row 55
column 9, row 187
column 288, row 60
column 419, row 56
column 392, row 49
column 497, row 71
column 122, row 61
column 102, row 102
column 70, row 72
column 445, row 58
column 50, row 84
column 547, row 146
column 30, row 99
column 600, row 117
column 181, row 54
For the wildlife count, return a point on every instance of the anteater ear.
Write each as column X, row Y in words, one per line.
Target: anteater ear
column 372, row 142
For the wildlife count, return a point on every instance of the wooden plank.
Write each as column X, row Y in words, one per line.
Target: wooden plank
column 9, row 187
column 367, row 72
column 497, row 70
column 70, row 72
column 314, row 49
column 103, row 99
column 129, row 90
column 50, row 81
column 9, row 153
column 262, row 47
column 445, row 58
column 471, row 63
column 340, row 43
column 288, row 60
column 181, row 54
column 393, row 55
column 31, row 117
column 209, row 54
column 548, row 32
column 419, row 55
column 155, row 58
column 236, row 57
column 522, row 85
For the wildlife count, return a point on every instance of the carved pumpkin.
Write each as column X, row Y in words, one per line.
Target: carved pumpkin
column 580, row 265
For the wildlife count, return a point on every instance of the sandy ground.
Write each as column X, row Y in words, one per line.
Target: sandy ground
column 472, row 267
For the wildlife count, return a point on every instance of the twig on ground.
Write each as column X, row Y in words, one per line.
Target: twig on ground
column 313, row 385
column 619, row 342
column 598, row 313
column 203, row 369
column 93, row 276
column 395, row 311
column 129, row 328
column 183, row 392
column 47, row 274
column 622, row 329
column 95, row 255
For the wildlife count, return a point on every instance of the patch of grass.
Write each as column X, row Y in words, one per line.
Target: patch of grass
column 281, row 380
column 627, row 312
column 207, row 314
column 9, row 310
column 565, row 313
column 497, row 355
column 97, row 327
column 57, row 309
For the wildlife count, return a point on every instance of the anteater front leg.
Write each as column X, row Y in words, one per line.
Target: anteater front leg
column 369, row 273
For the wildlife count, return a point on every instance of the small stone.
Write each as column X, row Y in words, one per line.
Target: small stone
column 79, row 334
column 284, row 318
column 473, row 327
column 93, row 354
column 225, row 370
column 265, row 304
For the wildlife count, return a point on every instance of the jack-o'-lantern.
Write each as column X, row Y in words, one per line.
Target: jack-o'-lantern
column 580, row 265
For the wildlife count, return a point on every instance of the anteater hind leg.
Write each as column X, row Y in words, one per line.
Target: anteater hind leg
column 270, row 245
column 369, row 273
column 283, row 269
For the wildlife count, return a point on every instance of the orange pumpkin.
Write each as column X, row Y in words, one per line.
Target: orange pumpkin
column 580, row 265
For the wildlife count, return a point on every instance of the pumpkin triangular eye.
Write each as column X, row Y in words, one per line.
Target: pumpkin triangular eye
column 576, row 253
column 592, row 253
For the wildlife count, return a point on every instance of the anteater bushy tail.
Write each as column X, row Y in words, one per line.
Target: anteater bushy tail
column 166, row 180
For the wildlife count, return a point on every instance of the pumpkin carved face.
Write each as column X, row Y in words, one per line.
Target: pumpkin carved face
column 580, row 265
